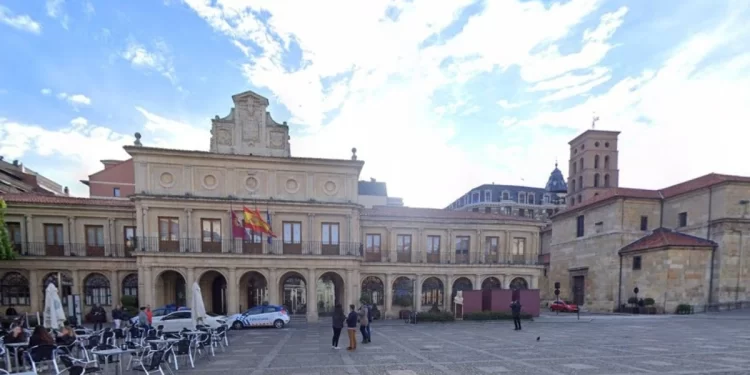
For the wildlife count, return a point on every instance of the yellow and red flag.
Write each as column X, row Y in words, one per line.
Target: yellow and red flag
column 254, row 222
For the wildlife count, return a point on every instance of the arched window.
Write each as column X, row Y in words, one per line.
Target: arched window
column 14, row 289
column 432, row 292
column 572, row 185
column 580, row 182
column 579, row 198
column 596, row 162
column 596, row 180
column 519, row 283
column 606, row 180
column 130, row 285
column 506, row 196
column 372, row 287
column 521, row 197
column 573, row 168
column 580, row 165
column 606, row 162
column 531, row 198
column 97, row 290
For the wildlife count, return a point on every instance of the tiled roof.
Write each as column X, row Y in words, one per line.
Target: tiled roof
column 663, row 237
column 63, row 201
column 672, row 191
column 434, row 213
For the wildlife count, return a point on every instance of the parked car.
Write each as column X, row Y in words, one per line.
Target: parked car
column 260, row 316
column 159, row 312
column 563, row 306
column 183, row 319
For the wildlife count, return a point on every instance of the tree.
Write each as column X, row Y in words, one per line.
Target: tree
column 6, row 247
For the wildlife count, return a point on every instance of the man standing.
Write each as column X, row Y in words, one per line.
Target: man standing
column 364, row 323
column 515, row 308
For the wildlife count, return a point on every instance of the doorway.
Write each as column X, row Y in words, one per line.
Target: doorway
column 579, row 289
column 219, row 294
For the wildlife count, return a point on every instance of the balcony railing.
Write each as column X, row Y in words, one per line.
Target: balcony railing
column 430, row 257
column 73, row 250
column 238, row 246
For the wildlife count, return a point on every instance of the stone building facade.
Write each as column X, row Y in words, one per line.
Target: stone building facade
column 588, row 244
column 177, row 228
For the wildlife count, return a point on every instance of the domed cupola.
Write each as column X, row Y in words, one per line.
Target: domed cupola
column 556, row 182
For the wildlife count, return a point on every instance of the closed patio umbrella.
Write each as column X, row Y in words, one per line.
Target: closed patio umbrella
column 199, row 309
column 54, row 315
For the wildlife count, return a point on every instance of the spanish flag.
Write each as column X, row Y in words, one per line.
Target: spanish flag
column 254, row 222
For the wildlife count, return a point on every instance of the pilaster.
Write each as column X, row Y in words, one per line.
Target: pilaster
column 233, row 302
column 71, row 236
column 114, row 287
column 272, row 284
column 188, row 223
column 312, row 294
column 388, row 295
column 477, row 282
column 29, row 233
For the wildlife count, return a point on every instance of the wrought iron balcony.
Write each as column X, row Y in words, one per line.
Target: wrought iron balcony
column 431, row 257
column 73, row 250
column 239, row 246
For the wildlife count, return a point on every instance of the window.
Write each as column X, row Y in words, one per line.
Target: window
column 636, row 263
column 606, row 180
column 580, row 165
column 644, row 222
column 491, row 250
column 211, row 230
column 598, row 227
column 573, row 168
column 14, row 289
column 487, row 210
column 579, row 226
column 372, row 247
column 475, row 197
column 531, row 198
column 169, row 234
column 580, row 182
column 14, row 231
column 573, row 185
column 521, row 212
column 545, row 199
column 521, row 197
column 433, row 249
column 506, row 195
column 596, row 162
column 403, row 248
column 330, row 233
column 606, row 162
column 97, row 290
column 462, row 249
column 519, row 249
column 292, row 232
column 475, row 209
column 53, row 240
column 128, row 234
column 130, row 285
column 94, row 240
column 116, row 192
column 580, row 199
column 507, row 210
column 682, row 217
column 487, row 196
column 596, row 180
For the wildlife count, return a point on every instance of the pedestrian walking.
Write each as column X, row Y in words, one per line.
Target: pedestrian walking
column 117, row 316
column 338, row 324
column 369, row 323
column 99, row 316
column 515, row 308
column 351, row 328
column 363, row 323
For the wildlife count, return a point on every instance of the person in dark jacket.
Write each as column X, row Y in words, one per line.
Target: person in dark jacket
column 41, row 336
column 11, row 311
column 117, row 316
column 99, row 316
column 351, row 327
column 338, row 324
column 515, row 308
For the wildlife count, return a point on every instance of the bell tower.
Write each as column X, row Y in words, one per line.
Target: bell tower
column 593, row 165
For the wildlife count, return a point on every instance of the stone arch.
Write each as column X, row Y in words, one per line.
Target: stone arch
column 170, row 288
column 491, row 283
column 97, row 290
column 293, row 292
column 606, row 162
column 433, row 292
column 461, row 283
column 15, row 289
column 403, row 292
column 129, row 286
column 213, row 286
column 204, row 271
column 373, row 289
column 518, row 283
column 253, row 289
column 65, row 289
column 330, row 290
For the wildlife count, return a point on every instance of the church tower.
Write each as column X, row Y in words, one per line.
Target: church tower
column 592, row 165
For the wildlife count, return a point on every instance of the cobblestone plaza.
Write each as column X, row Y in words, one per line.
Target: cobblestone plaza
column 699, row 344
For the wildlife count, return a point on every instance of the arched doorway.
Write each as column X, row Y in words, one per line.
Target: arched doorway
column 432, row 293
column 491, row 283
column 97, row 290
column 214, row 289
column 130, row 286
column 293, row 288
column 65, row 290
column 373, row 290
column 330, row 291
column 254, row 287
column 15, row 290
column 170, row 289
column 519, row 283
column 403, row 292
column 461, row 284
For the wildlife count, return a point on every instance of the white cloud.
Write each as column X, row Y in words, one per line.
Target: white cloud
column 88, row 8
column 46, row 92
column 76, row 100
column 508, row 105
column 158, row 59
column 56, row 9
column 20, row 22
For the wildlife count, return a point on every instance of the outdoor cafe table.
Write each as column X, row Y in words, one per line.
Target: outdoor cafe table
column 15, row 354
column 108, row 352
column 167, row 341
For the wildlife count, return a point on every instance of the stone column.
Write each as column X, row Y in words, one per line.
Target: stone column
column 312, row 300
column 449, row 247
column 191, row 244
column 35, row 290
column 71, row 237
column 506, row 281
column 420, row 256
column 389, row 245
column 477, row 249
column 233, row 300
column 508, row 245
column 144, row 286
column 147, row 242
column 310, row 247
column 273, row 287
column 388, row 300
column 189, row 280
column 115, row 287
column 76, row 288
column 448, row 290
column 418, row 292
column 29, row 245
column 348, row 291
column 533, row 281
column 356, row 287
column 110, row 242
column 477, row 282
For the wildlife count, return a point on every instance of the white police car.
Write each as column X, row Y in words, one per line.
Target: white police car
column 260, row 316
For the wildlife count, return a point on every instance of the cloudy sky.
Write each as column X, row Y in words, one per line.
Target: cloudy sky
column 437, row 96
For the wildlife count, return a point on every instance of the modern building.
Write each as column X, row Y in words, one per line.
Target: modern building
column 512, row 200
column 337, row 238
column 684, row 244
column 17, row 178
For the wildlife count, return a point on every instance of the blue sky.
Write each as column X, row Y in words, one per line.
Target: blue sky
column 438, row 97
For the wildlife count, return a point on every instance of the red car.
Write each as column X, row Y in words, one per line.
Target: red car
column 563, row 306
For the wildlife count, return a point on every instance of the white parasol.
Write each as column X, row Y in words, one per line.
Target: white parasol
column 199, row 309
column 54, row 315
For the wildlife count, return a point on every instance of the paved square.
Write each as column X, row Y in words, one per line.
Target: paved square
column 598, row 344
